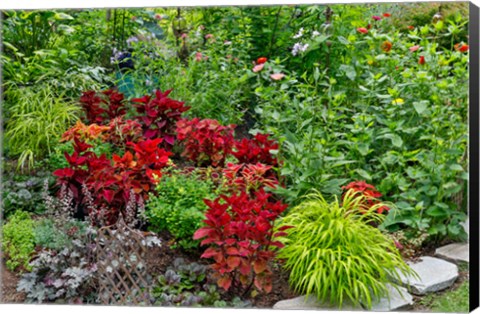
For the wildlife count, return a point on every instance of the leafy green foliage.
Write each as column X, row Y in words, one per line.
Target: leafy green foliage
column 36, row 123
column 333, row 253
column 188, row 285
column 179, row 207
column 18, row 240
column 376, row 114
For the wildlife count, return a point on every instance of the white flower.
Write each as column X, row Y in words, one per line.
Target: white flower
column 299, row 47
column 315, row 33
column 299, row 34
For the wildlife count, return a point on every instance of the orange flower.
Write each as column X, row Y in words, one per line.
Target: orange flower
column 386, row 46
column 387, row 14
column 362, row 30
column 261, row 60
column 421, row 61
column 411, row 27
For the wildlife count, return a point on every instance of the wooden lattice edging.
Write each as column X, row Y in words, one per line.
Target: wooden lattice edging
column 122, row 267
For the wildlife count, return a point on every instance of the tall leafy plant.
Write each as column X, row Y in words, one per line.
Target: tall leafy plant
column 36, row 122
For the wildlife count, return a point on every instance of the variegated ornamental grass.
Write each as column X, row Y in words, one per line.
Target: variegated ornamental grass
column 334, row 253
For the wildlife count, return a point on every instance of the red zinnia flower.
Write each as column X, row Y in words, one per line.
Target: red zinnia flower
column 461, row 47
column 411, row 27
column 362, row 30
column 421, row 61
column 261, row 60
column 387, row 14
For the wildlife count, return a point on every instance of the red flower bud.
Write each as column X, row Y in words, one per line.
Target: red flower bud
column 261, row 60
column 421, row 61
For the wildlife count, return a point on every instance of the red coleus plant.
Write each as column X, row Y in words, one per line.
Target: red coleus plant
column 256, row 150
column 159, row 115
column 124, row 131
column 249, row 177
column 206, row 142
column 102, row 107
column 239, row 232
column 110, row 182
column 369, row 191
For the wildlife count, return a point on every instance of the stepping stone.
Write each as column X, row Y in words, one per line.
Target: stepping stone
column 455, row 252
column 312, row 303
column 434, row 274
column 398, row 300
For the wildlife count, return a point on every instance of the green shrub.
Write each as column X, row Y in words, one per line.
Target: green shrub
column 36, row 122
column 18, row 241
column 335, row 254
column 179, row 206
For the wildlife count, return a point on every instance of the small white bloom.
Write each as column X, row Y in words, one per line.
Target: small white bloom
column 299, row 34
column 315, row 33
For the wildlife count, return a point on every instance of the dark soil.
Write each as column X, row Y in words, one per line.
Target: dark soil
column 8, row 285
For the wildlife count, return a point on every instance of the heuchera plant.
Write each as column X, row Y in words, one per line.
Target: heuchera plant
column 206, row 142
column 239, row 232
column 159, row 115
column 256, row 150
column 369, row 191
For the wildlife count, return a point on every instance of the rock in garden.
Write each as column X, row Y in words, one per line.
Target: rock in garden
column 399, row 299
column 434, row 274
column 312, row 303
column 455, row 252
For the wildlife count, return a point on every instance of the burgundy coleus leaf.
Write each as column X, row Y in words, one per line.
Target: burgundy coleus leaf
column 201, row 233
column 108, row 195
column 225, row 282
column 64, row 173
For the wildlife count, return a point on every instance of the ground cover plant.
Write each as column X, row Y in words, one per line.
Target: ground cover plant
column 276, row 151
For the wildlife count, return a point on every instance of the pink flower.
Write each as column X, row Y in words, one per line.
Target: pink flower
column 277, row 76
column 376, row 18
column 414, row 48
column 258, row 67
column 208, row 36
column 184, row 35
column 198, row 56
column 158, row 16
column 362, row 30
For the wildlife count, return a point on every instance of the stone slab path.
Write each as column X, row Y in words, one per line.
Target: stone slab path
column 455, row 252
column 434, row 274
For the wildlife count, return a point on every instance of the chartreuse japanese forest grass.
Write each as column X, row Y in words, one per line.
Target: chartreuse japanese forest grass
column 335, row 252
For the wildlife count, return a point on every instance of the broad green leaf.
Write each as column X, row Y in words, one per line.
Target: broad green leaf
column 420, row 106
